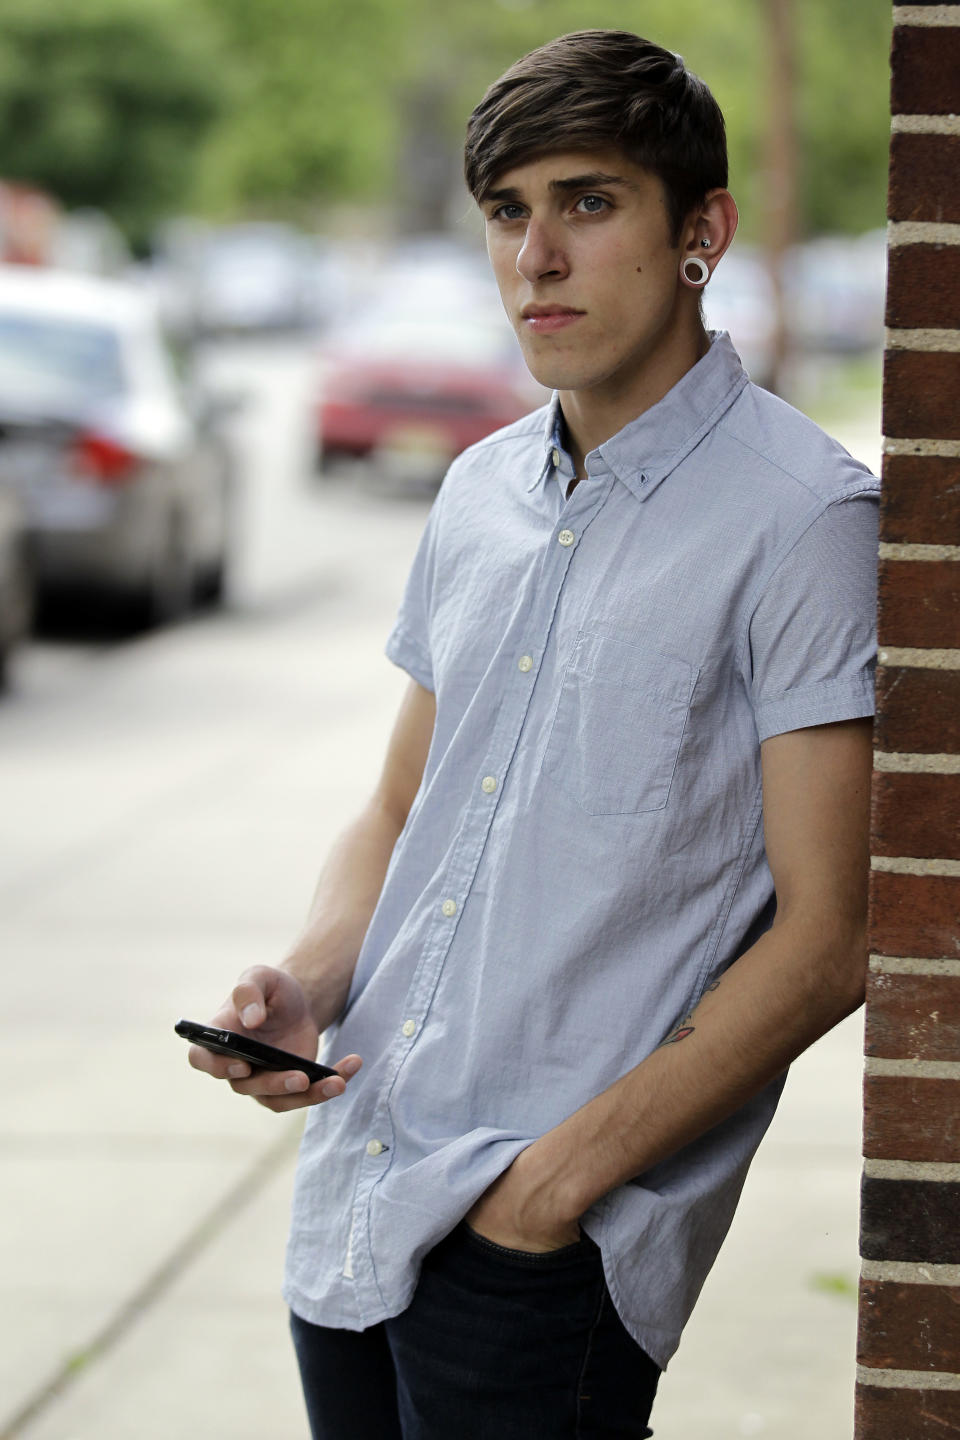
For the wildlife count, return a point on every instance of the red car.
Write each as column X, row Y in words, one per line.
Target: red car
column 422, row 388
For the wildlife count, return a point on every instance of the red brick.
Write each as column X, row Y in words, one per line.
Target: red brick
column 926, row 63
column 913, row 1017
column 909, row 1327
column 923, row 285
column 918, row 711
column 906, row 1118
column 920, row 500
column 924, row 178
column 883, row 1414
column 916, row 815
column 919, row 603
column 921, row 395
column 915, row 915
column 911, row 1220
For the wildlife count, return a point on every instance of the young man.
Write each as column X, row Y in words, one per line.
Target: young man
column 612, row 880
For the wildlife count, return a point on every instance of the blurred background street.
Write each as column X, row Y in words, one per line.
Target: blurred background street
column 245, row 322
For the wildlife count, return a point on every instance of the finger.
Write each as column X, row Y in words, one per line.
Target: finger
column 294, row 1087
column 271, row 1083
column 282, row 1083
column 222, row 1067
column 249, row 1002
column 316, row 1094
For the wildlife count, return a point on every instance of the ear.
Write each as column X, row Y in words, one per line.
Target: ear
column 715, row 221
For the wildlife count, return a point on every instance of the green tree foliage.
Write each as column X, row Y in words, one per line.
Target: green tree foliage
column 103, row 104
column 312, row 117
column 844, row 114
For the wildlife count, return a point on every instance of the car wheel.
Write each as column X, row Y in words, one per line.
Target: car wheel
column 333, row 463
column 210, row 585
column 210, row 578
column 17, row 603
column 168, row 591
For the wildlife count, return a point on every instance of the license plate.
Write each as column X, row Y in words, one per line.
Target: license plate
column 414, row 439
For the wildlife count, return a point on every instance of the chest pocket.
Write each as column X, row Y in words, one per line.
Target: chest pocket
column 618, row 726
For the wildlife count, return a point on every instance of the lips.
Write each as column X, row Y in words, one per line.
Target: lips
column 547, row 319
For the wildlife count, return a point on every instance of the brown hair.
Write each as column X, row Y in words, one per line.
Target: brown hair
column 596, row 88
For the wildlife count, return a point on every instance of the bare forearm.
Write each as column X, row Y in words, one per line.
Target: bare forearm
column 325, row 955
column 774, row 1002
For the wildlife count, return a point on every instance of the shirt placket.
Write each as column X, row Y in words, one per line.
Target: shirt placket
column 521, row 658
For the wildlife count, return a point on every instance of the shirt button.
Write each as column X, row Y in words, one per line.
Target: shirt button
column 566, row 537
column 374, row 1147
column 449, row 907
column 525, row 663
column 409, row 1028
column 555, row 456
column 488, row 784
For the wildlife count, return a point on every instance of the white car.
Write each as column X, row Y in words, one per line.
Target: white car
column 125, row 490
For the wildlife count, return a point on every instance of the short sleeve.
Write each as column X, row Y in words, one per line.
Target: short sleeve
column 812, row 646
column 408, row 644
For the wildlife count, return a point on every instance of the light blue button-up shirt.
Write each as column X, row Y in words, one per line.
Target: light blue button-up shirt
column 585, row 853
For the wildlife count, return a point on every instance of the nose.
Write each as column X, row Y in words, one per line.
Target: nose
column 541, row 255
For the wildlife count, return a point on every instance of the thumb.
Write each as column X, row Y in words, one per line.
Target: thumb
column 250, row 1004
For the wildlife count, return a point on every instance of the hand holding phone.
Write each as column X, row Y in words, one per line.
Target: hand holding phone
column 255, row 1052
column 267, row 1005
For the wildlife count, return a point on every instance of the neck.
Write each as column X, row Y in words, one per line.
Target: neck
column 594, row 414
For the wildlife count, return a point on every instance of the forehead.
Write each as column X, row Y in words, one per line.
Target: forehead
column 562, row 169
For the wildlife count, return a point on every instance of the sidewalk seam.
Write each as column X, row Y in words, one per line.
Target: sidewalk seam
column 157, row 1283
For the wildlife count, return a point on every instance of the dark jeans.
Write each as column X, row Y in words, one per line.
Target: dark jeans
column 495, row 1345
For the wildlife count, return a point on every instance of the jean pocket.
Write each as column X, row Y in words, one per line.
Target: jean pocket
column 529, row 1259
column 618, row 726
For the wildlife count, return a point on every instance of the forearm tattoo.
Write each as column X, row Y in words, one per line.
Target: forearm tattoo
column 685, row 1028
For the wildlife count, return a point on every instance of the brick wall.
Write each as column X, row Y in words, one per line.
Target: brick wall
column 908, row 1378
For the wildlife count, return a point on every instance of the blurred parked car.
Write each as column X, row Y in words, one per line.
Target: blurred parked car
column 836, row 287
column 124, row 489
column 425, row 386
column 253, row 277
column 16, row 578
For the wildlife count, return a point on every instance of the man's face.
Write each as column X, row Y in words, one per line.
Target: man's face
column 580, row 247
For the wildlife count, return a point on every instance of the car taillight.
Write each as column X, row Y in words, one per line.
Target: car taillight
column 98, row 458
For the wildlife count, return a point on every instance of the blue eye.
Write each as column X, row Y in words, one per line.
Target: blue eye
column 509, row 211
column 592, row 204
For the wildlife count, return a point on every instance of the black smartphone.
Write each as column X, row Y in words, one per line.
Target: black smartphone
column 255, row 1052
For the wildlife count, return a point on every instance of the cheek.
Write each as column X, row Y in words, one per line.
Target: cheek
column 653, row 275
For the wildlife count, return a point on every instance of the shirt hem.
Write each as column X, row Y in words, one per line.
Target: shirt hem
column 402, row 651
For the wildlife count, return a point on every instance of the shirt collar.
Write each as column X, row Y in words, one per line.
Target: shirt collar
column 646, row 450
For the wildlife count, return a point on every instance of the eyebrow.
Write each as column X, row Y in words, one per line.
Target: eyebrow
column 572, row 182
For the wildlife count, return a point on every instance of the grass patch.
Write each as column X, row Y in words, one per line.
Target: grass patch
column 830, row 1282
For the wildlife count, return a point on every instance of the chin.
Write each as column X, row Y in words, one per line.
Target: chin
column 555, row 375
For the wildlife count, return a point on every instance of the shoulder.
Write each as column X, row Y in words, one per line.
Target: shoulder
column 782, row 450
